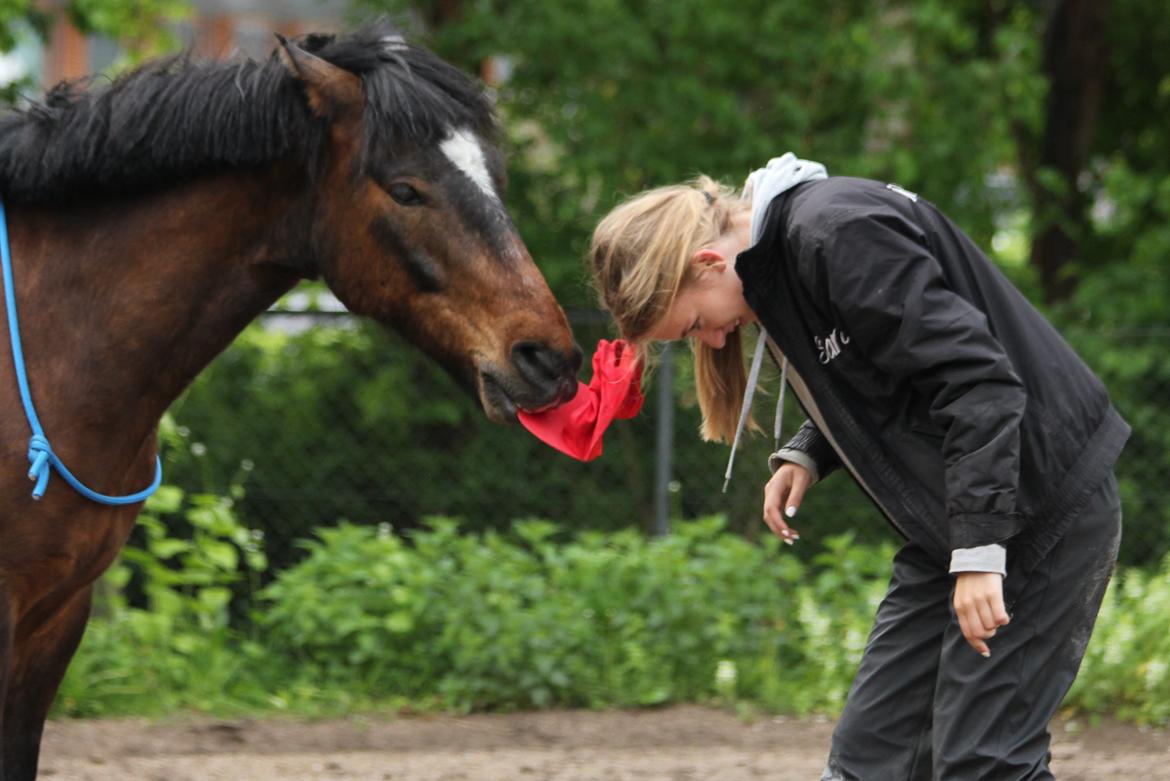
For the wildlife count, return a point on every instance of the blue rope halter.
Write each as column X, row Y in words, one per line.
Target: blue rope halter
column 40, row 454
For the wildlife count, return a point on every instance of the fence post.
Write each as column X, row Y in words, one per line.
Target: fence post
column 664, row 415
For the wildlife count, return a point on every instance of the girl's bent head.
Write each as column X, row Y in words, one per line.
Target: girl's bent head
column 642, row 250
column 642, row 257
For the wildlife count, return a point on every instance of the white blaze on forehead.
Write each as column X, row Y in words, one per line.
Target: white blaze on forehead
column 462, row 148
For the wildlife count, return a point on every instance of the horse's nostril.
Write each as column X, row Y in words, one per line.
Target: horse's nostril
column 544, row 366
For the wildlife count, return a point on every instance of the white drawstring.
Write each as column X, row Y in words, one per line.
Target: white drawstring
column 780, row 404
column 748, row 392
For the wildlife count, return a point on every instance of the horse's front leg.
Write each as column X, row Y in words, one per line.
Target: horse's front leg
column 41, row 655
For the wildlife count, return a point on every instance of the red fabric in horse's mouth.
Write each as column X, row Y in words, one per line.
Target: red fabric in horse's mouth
column 576, row 427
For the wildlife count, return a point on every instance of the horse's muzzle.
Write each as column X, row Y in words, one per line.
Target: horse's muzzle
column 538, row 377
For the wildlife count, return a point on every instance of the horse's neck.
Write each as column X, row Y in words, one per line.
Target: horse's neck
column 122, row 305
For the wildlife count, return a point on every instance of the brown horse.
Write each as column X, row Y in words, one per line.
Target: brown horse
column 152, row 219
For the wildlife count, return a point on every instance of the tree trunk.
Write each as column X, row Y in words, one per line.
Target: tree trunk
column 443, row 12
column 1075, row 60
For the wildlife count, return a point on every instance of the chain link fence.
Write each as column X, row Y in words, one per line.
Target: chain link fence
column 314, row 418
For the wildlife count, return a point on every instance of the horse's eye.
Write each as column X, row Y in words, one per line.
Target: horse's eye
column 405, row 194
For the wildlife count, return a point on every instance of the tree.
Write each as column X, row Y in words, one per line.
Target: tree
column 1075, row 62
column 1001, row 111
column 1041, row 126
column 604, row 99
column 142, row 28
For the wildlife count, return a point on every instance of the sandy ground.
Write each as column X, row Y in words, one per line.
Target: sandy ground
column 674, row 744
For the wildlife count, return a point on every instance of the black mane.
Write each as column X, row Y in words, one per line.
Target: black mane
column 175, row 119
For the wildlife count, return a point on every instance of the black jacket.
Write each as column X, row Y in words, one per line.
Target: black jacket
column 962, row 411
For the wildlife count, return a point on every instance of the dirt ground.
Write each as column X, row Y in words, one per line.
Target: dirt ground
column 674, row 744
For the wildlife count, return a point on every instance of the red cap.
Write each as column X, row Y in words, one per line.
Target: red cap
column 576, row 427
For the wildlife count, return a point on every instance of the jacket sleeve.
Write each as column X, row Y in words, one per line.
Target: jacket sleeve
column 808, row 448
column 893, row 300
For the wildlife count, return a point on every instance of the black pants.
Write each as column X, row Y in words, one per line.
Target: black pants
column 925, row 705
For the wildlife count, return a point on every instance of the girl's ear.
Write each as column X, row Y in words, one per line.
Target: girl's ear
column 708, row 259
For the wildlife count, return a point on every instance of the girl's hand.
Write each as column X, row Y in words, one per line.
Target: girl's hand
column 979, row 607
column 782, row 497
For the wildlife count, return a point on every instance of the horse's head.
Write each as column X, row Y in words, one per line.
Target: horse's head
column 409, row 226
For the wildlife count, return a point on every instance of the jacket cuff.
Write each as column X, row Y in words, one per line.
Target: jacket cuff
column 798, row 457
column 985, row 558
column 810, row 441
column 972, row 530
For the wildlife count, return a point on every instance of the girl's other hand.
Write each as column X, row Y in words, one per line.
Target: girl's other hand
column 979, row 607
column 782, row 497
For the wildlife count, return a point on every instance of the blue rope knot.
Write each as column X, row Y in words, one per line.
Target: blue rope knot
column 44, row 461
column 40, row 455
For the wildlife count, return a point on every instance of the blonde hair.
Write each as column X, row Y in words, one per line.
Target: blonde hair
column 641, row 258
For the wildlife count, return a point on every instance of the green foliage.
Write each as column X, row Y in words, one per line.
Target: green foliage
column 15, row 17
column 604, row 99
column 488, row 622
column 143, row 28
column 534, row 619
column 177, row 651
column 1126, row 671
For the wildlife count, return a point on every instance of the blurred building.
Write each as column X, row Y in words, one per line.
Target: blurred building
column 216, row 28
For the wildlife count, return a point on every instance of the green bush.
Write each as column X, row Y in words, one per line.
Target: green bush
column 179, row 650
column 485, row 622
column 442, row 619
column 1126, row 670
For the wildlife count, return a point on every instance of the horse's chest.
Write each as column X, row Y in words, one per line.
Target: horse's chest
column 59, row 545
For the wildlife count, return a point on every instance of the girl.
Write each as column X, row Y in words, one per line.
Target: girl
column 973, row 426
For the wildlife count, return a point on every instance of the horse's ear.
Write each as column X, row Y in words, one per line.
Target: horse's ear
column 333, row 92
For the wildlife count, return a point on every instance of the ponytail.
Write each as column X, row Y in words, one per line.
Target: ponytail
column 720, row 381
